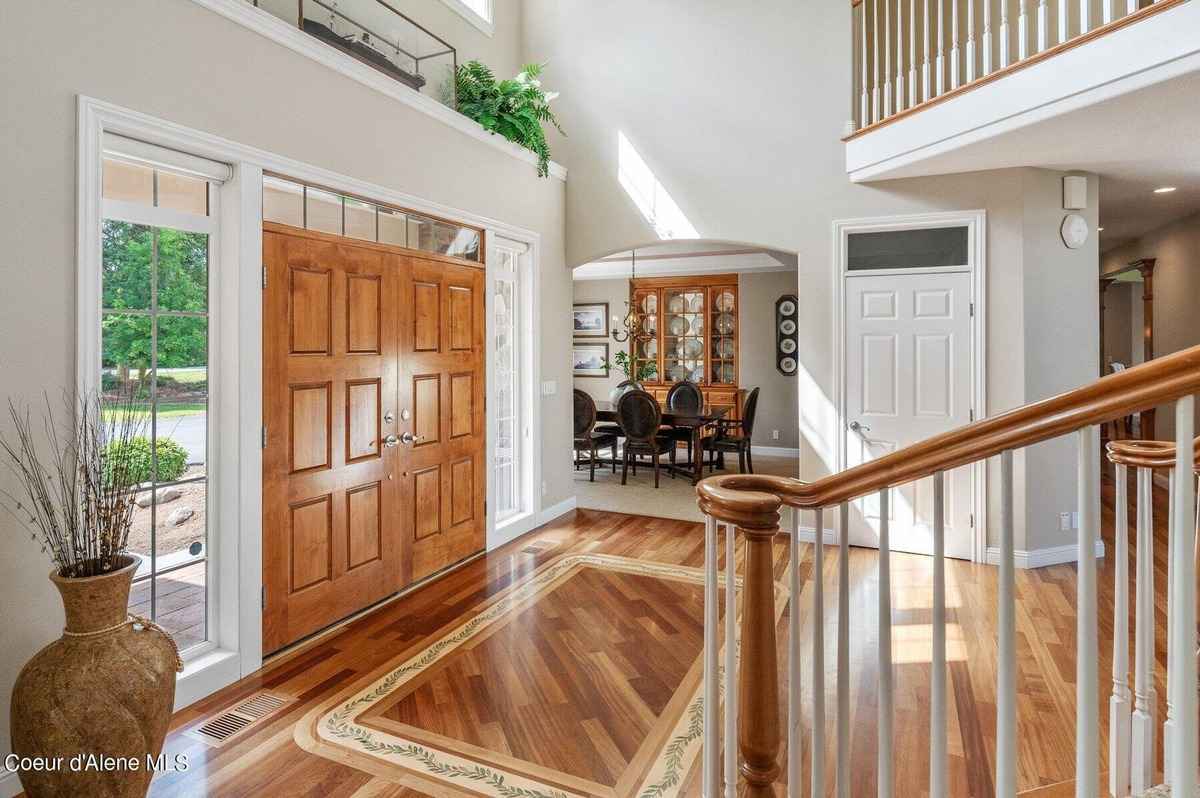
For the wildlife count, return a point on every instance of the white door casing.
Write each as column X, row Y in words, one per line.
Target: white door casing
column 908, row 378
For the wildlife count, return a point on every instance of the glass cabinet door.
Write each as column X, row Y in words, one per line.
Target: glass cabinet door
column 723, row 341
column 645, row 352
column 683, row 335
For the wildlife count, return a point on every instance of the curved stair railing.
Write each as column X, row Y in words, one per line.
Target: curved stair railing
column 750, row 505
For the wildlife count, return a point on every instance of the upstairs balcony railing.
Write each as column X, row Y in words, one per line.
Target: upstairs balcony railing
column 909, row 54
column 750, row 731
column 378, row 35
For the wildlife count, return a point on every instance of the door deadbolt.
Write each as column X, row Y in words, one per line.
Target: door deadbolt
column 389, row 417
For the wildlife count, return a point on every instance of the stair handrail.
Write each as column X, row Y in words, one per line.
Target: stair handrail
column 754, row 498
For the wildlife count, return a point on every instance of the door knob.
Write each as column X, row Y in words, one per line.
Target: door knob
column 856, row 427
column 391, row 441
column 408, row 437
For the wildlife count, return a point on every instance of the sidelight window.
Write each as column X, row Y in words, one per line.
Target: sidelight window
column 505, row 365
column 158, row 233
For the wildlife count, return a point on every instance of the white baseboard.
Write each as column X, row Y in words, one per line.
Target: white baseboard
column 10, row 784
column 1040, row 558
column 774, row 451
column 548, row 514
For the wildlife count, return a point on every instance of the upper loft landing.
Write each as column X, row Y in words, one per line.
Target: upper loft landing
column 944, row 86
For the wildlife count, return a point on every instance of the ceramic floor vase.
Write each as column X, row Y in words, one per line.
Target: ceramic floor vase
column 105, row 688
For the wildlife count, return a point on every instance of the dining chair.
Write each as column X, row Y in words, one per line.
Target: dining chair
column 640, row 418
column 734, row 437
column 685, row 398
column 587, row 439
column 615, row 429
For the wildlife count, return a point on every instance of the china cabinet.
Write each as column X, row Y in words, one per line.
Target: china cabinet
column 691, row 333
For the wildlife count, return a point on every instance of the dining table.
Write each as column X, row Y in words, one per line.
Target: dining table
column 695, row 421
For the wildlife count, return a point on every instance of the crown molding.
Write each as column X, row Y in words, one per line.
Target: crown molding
column 296, row 40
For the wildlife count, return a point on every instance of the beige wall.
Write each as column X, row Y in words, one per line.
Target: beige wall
column 756, row 349
column 742, row 126
column 1118, row 324
column 1176, row 287
column 178, row 61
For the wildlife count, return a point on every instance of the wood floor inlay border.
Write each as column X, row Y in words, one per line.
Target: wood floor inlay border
column 339, row 729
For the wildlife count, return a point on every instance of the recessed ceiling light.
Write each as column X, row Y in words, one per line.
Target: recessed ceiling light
column 1164, row 190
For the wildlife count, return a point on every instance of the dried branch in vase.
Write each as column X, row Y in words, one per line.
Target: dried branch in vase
column 75, row 483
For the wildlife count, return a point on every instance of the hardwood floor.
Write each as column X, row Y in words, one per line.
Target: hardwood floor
column 269, row 762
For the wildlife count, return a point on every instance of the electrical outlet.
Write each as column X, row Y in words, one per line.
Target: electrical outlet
column 1064, row 522
column 774, row 434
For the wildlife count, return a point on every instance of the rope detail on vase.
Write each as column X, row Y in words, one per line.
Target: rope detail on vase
column 135, row 621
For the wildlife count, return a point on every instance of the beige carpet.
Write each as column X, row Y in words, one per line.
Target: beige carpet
column 674, row 498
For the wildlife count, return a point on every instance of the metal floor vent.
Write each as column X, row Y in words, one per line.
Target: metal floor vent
column 231, row 723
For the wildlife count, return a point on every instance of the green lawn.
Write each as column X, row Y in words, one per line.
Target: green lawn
column 168, row 409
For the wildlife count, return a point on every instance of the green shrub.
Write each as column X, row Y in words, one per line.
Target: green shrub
column 131, row 461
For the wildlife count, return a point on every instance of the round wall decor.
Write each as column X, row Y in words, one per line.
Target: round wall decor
column 787, row 327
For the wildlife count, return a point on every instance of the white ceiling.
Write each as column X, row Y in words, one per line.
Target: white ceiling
column 1135, row 142
column 688, row 257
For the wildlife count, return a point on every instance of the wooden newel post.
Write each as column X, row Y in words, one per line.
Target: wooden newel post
column 759, row 735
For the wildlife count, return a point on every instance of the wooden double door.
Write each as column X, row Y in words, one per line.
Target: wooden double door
column 373, row 401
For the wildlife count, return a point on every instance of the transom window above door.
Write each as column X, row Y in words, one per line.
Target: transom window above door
column 313, row 208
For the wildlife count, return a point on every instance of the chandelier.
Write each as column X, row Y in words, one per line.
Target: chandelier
column 633, row 324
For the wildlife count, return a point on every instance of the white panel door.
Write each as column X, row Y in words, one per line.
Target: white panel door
column 908, row 377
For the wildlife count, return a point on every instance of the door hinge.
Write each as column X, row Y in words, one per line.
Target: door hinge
column 264, row 597
column 264, row 285
column 972, row 304
column 972, row 414
column 972, row 520
column 264, row 436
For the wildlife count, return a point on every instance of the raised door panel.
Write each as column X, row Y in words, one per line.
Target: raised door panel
column 311, row 539
column 427, row 408
column 462, row 491
column 462, row 405
column 309, row 427
column 310, row 310
column 462, row 307
column 364, row 413
column 364, row 310
column 364, row 525
column 427, row 502
column 426, row 312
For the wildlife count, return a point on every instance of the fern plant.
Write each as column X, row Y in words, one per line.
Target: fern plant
column 515, row 108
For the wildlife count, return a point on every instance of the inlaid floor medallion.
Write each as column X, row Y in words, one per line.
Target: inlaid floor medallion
column 581, row 679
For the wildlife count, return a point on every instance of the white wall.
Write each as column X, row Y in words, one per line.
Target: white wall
column 178, row 61
column 739, row 113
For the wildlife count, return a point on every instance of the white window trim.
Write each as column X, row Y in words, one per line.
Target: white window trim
column 528, row 398
column 486, row 24
column 236, row 549
column 976, row 223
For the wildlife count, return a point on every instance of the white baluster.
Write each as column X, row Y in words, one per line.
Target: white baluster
column 1118, row 704
column 1131, row 6
column 937, row 687
column 884, row 728
column 793, row 683
column 913, row 98
column 731, row 683
column 843, row 656
column 925, row 84
column 1064, row 32
column 712, row 735
column 1141, row 776
column 987, row 37
column 818, row 657
column 954, row 69
column 941, row 34
column 876, row 107
column 1085, row 16
column 1107, row 11
column 1087, row 678
column 1022, row 31
column 1043, row 23
column 970, row 49
column 1169, row 723
column 887, row 58
column 1182, row 665
column 899, row 55
column 1006, row 665
column 1004, row 54
column 864, row 103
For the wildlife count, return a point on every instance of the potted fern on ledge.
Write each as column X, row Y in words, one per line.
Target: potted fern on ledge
column 106, row 687
column 515, row 108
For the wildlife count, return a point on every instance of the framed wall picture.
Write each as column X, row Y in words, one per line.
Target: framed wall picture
column 590, row 320
column 589, row 359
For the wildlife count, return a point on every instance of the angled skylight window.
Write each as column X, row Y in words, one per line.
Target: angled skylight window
column 650, row 195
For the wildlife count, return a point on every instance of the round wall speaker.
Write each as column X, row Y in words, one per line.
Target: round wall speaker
column 787, row 327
